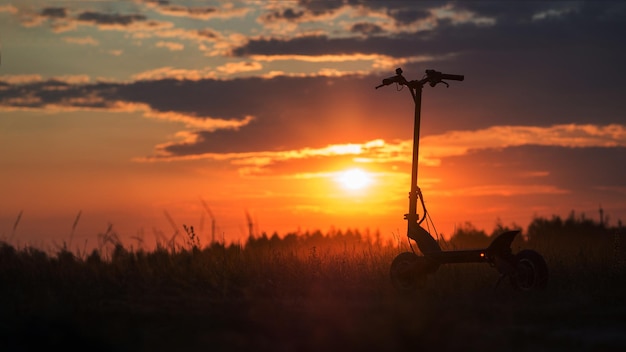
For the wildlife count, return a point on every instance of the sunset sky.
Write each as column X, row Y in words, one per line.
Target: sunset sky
column 145, row 113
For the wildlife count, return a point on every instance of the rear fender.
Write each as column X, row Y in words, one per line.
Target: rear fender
column 500, row 254
column 425, row 242
column 501, row 245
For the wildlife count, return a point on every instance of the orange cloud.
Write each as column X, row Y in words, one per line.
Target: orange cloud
column 174, row 73
column 435, row 147
column 432, row 149
column 201, row 13
column 203, row 123
column 21, row 79
column 456, row 16
column 379, row 62
column 236, row 67
column 9, row 9
column 88, row 40
column 170, row 46
column 264, row 158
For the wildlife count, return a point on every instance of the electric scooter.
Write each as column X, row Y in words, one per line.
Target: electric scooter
column 527, row 269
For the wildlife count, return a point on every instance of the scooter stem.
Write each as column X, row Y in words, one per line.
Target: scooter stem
column 412, row 216
column 425, row 241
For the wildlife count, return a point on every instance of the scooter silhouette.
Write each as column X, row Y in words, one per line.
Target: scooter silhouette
column 527, row 269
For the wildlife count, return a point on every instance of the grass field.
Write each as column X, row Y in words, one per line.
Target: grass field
column 320, row 293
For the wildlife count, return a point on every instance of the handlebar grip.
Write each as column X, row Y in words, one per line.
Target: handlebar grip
column 452, row 77
column 390, row 80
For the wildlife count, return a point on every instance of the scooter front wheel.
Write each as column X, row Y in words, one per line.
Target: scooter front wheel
column 531, row 271
column 408, row 272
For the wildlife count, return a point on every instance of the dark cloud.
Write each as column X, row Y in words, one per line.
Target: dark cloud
column 524, row 12
column 110, row 19
column 403, row 12
column 576, row 30
column 562, row 69
column 287, row 14
column 366, row 28
column 201, row 10
column 54, row 12
column 284, row 118
column 509, row 11
column 323, row 45
column 318, row 7
column 282, row 107
column 53, row 92
column 208, row 33
column 409, row 15
column 158, row 2
column 192, row 11
column 295, row 112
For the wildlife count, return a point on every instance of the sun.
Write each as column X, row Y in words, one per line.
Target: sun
column 354, row 179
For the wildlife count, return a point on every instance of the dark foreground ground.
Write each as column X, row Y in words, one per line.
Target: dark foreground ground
column 314, row 303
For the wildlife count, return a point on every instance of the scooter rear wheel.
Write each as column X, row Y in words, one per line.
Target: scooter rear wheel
column 531, row 271
column 408, row 272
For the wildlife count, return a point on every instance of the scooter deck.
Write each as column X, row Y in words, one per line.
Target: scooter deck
column 458, row 256
column 499, row 247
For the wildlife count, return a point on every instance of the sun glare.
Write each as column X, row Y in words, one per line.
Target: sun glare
column 354, row 179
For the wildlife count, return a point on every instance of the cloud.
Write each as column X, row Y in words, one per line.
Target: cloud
column 71, row 79
column 452, row 29
column 54, row 12
column 110, row 19
column 236, row 67
column 322, row 58
column 20, row 79
column 453, row 143
column 339, row 109
column 8, row 9
column 366, row 28
column 400, row 46
column 202, row 13
column 122, row 22
column 433, row 148
column 88, row 40
column 172, row 46
column 266, row 158
column 287, row 20
column 195, row 122
column 169, row 72
column 62, row 19
column 405, row 16
column 288, row 14
column 394, row 32
column 278, row 14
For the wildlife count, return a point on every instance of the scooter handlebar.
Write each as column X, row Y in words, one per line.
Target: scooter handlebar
column 452, row 77
column 436, row 76
column 433, row 77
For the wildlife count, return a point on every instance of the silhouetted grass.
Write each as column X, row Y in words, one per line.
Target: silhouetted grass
column 307, row 292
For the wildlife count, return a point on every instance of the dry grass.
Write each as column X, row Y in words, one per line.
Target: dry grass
column 312, row 292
